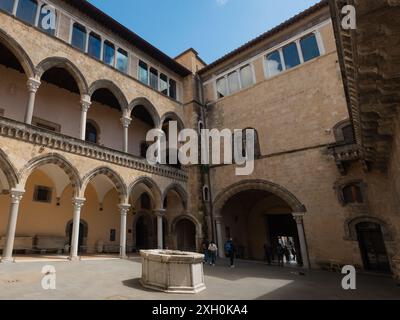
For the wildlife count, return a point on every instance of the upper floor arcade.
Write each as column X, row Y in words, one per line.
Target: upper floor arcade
column 51, row 84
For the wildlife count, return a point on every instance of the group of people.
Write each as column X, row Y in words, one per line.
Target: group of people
column 281, row 251
column 210, row 251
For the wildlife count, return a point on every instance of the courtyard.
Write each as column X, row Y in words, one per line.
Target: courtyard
column 108, row 278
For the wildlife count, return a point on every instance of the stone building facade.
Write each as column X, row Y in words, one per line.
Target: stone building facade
column 77, row 103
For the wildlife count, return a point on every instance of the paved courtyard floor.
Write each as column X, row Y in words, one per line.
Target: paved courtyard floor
column 113, row 279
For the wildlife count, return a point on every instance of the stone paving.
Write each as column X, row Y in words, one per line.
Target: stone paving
column 105, row 279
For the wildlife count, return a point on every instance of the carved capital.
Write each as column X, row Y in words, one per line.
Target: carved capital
column 298, row 217
column 85, row 102
column 126, row 121
column 160, row 212
column 124, row 208
column 16, row 196
column 33, row 85
column 78, row 203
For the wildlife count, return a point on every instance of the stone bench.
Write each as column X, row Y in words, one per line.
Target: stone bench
column 49, row 244
column 21, row 243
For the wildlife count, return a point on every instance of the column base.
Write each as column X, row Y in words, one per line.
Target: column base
column 74, row 259
column 123, row 256
column 7, row 260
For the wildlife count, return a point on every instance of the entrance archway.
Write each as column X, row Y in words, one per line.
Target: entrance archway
column 143, row 232
column 259, row 214
column 186, row 235
column 372, row 247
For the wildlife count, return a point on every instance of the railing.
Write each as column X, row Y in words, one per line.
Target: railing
column 20, row 131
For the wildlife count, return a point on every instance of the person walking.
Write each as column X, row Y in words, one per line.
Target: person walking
column 230, row 251
column 205, row 246
column 213, row 249
column 280, row 253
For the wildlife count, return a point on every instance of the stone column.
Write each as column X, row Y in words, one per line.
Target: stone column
column 78, row 204
column 16, row 196
column 123, row 209
column 85, row 104
column 220, row 240
column 33, row 86
column 302, row 238
column 160, row 214
column 126, row 121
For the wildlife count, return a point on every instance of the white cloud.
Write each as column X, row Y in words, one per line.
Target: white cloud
column 221, row 3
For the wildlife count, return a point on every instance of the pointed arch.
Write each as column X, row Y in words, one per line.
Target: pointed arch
column 113, row 88
column 179, row 190
column 191, row 219
column 9, row 170
column 55, row 159
column 115, row 178
column 64, row 63
column 18, row 52
column 174, row 117
column 150, row 183
column 149, row 108
column 223, row 197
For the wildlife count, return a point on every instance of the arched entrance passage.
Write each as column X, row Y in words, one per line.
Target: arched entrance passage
column 257, row 214
column 372, row 247
column 186, row 235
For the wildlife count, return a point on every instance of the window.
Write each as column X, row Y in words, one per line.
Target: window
column 109, row 53
column 94, row 48
column 233, row 81
column 352, row 194
column 309, row 47
column 91, row 133
column 222, row 88
column 154, row 78
column 291, row 55
column 46, row 21
column 122, row 60
column 42, row 194
column 7, row 5
column 274, row 63
column 26, row 10
column 78, row 36
column 163, row 84
column 113, row 235
column 143, row 72
column 47, row 125
column 348, row 134
column 246, row 76
column 172, row 89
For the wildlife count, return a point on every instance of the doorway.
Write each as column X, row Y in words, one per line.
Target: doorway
column 81, row 238
column 372, row 247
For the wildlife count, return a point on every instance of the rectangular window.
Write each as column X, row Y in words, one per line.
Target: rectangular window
column 109, row 53
column 78, row 36
column 309, row 47
column 7, row 5
column 46, row 21
column 154, row 78
column 143, row 72
column 42, row 194
column 113, row 235
column 273, row 63
column 172, row 89
column 222, row 88
column 163, row 84
column 94, row 49
column 26, row 10
column 47, row 125
column 246, row 76
column 291, row 55
column 122, row 60
column 233, row 81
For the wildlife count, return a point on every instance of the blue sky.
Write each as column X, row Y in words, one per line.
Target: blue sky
column 212, row 27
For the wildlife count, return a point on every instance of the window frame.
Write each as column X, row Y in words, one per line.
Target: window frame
column 36, row 193
column 85, row 39
column 42, row 124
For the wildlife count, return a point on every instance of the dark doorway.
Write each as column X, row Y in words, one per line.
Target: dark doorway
column 372, row 246
column 82, row 232
column 186, row 235
column 142, row 233
column 283, row 229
